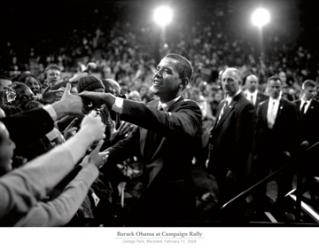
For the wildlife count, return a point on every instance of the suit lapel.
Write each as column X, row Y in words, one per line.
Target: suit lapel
column 258, row 99
column 310, row 108
column 170, row 109
column 280, row 108
column 298, row 104
column 144, row 133
column 229, row 110
column 151, row 136
column 264, row 109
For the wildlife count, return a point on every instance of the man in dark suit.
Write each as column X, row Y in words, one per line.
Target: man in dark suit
column 169, row 130
column 309, row 112
column 252, row 93
column 309, row 124
column 231, row 138
column 276, row 134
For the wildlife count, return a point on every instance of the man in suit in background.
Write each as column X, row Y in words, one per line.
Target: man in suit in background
column 276, row 134
column 309, row 124
column 252, row 93
column 231, row 138
column 309, row 112
column 165, row 141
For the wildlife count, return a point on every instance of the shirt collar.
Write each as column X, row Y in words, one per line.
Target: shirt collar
column 167, row 104
column 304, row 100
column 229, row 99
column 274, row 100
column 251, row 93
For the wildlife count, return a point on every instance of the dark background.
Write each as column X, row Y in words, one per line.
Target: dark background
column 47, row 25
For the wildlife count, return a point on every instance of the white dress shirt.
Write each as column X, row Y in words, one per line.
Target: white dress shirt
column 252, row 97
column 308, row 102
column 272, row 111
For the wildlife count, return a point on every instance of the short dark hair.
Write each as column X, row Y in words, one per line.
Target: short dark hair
column 20, row 86
column 184, row 66
column 52, row 66
column 274, row 78
column 309, row 83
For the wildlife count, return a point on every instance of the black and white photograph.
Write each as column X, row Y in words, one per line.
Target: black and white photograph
column 159, row 123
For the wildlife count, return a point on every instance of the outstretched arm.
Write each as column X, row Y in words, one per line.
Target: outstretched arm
column 22, row 188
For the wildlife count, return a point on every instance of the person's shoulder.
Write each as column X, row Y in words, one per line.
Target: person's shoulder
column 287, row 102
column 152, row 103
column 188, row 103
column 262, row 95
column 242, row 100
column 262, row 103
column 315, row 103
column 298, row 101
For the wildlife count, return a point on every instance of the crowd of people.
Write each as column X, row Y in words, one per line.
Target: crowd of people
column 106, row 135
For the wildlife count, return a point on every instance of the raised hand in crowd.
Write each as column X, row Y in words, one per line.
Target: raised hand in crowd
column 122, row 132
column 92, row 124
column 71, row 129
column 69, row 103
column 96, row 157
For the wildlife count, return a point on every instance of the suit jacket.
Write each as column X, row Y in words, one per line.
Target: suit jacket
column 260, row 98
column 232, row 137
column 309, row 122
column 284, row 135
column 165, row 142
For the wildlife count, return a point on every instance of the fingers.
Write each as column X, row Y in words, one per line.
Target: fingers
column 104, row 155
column 94, row 114
column 67, row 90
column 98, row 147
column 85, row 93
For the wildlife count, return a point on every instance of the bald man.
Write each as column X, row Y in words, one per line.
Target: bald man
column 231, row 138
column 252, row 93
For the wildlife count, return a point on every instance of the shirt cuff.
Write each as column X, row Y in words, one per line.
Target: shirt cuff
column 51, row 112
column 118, row 105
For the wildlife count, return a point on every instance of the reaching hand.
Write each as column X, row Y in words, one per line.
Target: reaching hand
column 92, row 124
column 69, row 103
column 73, row 102
column 95, row 157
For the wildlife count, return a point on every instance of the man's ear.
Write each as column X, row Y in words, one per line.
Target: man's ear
column 184, row 83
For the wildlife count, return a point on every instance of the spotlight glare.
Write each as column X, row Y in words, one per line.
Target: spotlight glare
column 163, row 15
column 260, row 17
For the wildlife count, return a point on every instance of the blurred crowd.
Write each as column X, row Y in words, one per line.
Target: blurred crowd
column 128, row 52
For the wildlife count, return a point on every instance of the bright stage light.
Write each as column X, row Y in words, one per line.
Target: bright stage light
column 260, row 17
column 163, row 15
